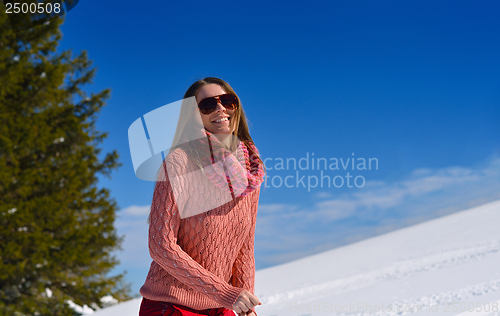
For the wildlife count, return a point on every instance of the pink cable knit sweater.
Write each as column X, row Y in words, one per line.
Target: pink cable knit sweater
column 202, row 261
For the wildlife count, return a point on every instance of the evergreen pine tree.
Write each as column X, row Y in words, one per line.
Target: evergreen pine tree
column 56, row 225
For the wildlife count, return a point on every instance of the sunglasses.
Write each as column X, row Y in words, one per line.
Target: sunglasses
column 208, row 105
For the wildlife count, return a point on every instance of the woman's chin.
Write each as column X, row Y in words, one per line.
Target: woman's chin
column 219, row 130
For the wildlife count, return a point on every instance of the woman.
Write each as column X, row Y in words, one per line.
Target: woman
column 202, row 220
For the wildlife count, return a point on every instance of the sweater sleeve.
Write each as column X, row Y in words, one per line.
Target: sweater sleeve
column 164, row 250
column 243, row 273
column 244, row 269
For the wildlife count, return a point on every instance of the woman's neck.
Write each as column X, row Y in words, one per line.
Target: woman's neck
column 224, row 139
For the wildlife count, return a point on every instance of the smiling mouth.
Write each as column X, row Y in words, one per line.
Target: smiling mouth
column 225, row 119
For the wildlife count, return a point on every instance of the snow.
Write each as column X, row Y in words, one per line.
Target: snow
column 109, row 300
column 79, row 309
column 446, row 266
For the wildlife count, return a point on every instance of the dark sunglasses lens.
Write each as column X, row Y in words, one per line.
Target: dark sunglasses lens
column 207, row 105
column 228, row 101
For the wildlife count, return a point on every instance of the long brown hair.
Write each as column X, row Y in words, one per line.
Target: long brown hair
column 238, row 122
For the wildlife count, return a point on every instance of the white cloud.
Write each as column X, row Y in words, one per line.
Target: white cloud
column 323, row 195
column 135, row 210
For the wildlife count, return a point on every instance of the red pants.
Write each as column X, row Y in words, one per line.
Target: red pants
column 156, row 308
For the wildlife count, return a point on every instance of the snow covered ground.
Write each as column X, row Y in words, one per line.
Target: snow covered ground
column 446, row 266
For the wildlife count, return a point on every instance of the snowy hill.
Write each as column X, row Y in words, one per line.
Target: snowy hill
column 446, row 266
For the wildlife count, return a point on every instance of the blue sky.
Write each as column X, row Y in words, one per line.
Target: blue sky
column 413, row 84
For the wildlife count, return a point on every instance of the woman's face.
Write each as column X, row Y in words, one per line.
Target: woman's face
column 223, row 127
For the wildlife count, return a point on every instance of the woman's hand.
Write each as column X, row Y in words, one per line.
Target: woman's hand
column 245, row 302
